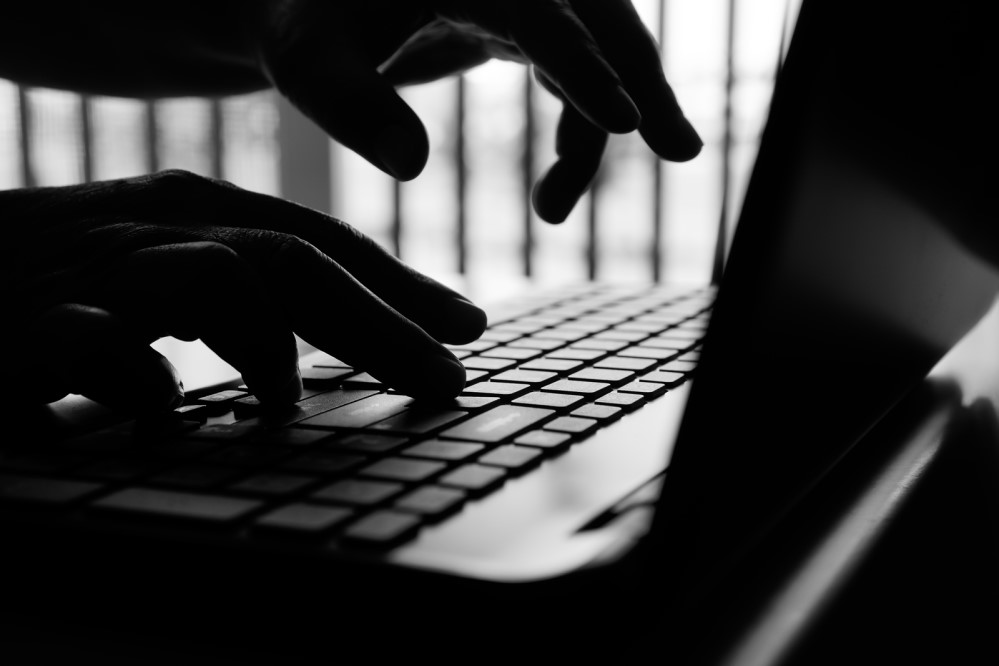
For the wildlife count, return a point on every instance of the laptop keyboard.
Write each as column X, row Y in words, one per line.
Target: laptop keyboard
column 357, row 465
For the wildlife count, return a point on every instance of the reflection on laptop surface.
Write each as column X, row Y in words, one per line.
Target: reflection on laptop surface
column 574, row 445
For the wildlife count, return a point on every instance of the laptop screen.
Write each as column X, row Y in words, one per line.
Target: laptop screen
column 857, row 263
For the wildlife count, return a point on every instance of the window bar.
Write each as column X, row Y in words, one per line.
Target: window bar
column 24, row 119
column 721, row 242
column 216, row 135
column 658, row 173
column 152, row 145
column 87, row 136
column 591, row 229
column 395, row 229
column 461, row 176
column 527, row 171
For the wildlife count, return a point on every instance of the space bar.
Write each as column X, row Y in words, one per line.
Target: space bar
column 498, row 423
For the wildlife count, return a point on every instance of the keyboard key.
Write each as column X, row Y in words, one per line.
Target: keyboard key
column 274, row 485
column 598, row 412
column 663, row 377
column 621, row 335
column 552, row 400
column 475, row 479
column 600, row 345
column 197, row 413
column 648, row 352
column 246, row 407
column 498, row 423
column 617, row 399
column 625, row 363
column 544, row 344
column 525, row 376
column 303, row 519
column 248, row 455
column 516, row 353
column 419, row 420
column 488, row 364
column 369, row 443
column 383, row 528
column 564, row 334
column 580, row 388
column 403, row 469
column 602, row 375
column 431, row 502
column 680, row 366
column 501, row 337
column 325, row 462
column 363, row 380
column 361, row 413
column 649, row 389
column 440, row 449
column 572, row 425
column 324, row 378
column 303, row 409
column 664, row 342
column 220, row 402
column 514, row 458
column 292, row 437
column 496, row 388
column 203, row 508
column 474, row 347
column 474, row 402
column 51, row 492
column 358, row 492
column 474, row 375
column 548, row 364
column 195, row 476
column 576, row 354
column 544, row 439
column 120, row 469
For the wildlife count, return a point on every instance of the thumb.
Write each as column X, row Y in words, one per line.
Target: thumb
column 85, row 350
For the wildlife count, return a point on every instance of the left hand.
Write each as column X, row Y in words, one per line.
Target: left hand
column 339, row 61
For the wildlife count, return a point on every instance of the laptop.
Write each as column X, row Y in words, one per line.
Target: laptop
column 639, row 446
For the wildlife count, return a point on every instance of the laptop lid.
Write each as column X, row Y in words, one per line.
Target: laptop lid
column 857, row 263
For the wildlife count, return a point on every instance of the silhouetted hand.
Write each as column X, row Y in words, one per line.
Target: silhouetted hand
column 338, row 61
column 101, row 270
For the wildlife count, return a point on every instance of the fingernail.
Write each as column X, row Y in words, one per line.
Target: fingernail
column 401, row 153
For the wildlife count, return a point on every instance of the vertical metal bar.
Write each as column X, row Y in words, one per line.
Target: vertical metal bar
column 658, row 183
column 216, row 135
column 395, row 227
column 591, row 230
column 461, row 177
column 721, row 243
column 152, row 143
column 527, row 172
column 24, row 121
column 85, row 111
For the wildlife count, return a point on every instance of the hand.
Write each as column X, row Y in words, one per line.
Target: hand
column 339, row 60
column 106, row 268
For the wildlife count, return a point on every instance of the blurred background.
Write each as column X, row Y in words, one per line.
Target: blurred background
column 467, row 218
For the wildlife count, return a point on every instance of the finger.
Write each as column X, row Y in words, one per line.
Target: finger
column 179, row 197
column 579, row 145
column 88, row 351
column 634, row 55
column 204, row 290
column 331, row 310
column 330, row 80
column 435, row 54
column 558, row 44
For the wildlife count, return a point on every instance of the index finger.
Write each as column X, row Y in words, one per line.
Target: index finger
column 633, row 53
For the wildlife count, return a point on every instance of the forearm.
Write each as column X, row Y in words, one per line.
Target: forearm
column 133, row 48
